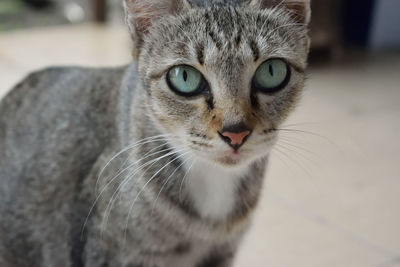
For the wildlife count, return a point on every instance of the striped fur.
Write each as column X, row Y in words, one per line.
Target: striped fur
column 109, row 167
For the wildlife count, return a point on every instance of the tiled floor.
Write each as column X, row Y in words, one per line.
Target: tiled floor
column 332, row 194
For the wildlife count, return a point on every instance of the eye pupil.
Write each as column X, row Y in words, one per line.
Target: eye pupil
column 271, row 76
column 185, row 80
column 185, row 76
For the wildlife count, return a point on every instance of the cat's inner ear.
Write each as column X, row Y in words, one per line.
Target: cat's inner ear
column 300, row 9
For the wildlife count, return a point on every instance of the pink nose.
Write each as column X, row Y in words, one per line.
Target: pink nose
column 236, row 138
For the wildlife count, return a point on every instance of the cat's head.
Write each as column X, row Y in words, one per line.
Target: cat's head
column 219, row 79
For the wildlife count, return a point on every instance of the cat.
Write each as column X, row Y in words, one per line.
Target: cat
column 159, row 163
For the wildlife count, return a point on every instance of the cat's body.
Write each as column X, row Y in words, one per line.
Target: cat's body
column 71, row 138
column 38, row 215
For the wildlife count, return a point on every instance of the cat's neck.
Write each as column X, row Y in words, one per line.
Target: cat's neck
column 213, row 189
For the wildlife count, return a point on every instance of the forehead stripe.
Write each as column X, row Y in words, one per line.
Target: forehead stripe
column 254, row 48
column 200, row 54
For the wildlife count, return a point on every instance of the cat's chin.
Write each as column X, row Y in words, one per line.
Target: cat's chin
column 228, row 163
column 235, row 161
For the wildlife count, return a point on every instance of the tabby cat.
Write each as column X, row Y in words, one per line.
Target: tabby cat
column 159, row 163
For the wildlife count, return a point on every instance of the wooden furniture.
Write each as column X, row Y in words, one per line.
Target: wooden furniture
column 100, row 10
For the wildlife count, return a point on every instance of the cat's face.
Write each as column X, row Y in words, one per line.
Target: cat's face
column 220, row 80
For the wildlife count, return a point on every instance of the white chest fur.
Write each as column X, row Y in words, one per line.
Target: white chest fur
column 212, row 188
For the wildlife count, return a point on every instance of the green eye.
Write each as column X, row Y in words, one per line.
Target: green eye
column 271, row 76
column 185, row 80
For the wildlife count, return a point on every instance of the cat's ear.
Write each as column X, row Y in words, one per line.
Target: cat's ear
column 300, row 9
column 141, row 14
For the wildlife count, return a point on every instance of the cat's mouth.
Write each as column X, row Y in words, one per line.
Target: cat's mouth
column 234, row 157
column 231, row 155
column 225, row 157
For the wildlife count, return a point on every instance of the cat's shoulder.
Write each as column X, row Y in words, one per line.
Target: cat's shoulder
column 68, row 77
column 63, row 104
column 55, row 122
column 56, row 88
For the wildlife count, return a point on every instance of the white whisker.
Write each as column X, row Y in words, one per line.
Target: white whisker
column 112, row 180
column 141, row 190
column 126, row 180
column 183, row 179
column 140, row 142
column 166, row 181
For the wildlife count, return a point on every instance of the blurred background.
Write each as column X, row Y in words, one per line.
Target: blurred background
column 332, row 193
